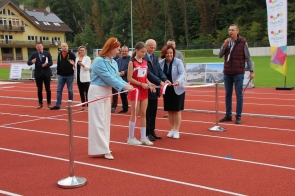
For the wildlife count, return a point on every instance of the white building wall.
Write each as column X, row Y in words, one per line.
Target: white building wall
column 263, row 51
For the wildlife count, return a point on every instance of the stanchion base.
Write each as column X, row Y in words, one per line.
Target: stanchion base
column 217, row 129
column 71, row 182
column 284, row 88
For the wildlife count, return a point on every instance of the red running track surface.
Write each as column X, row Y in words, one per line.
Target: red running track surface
column 254, row 158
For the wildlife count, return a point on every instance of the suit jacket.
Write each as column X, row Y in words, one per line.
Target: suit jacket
column 84, row 71
column 123, row 66
column 177, row 73
column 39, row 70
column 155, row 74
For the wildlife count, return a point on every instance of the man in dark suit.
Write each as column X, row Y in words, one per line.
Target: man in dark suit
column 157, row 77
column 123, row 69
column 42, row 60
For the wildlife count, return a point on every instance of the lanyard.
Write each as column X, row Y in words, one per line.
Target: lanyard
column 231, row 48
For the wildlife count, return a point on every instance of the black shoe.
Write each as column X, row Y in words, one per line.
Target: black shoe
column 226, row 119
column 151, row 138
column 113, row 110
column 238, row 120
column 156, row 136
column 55, row 108
column 39, row 106
column 122, row 111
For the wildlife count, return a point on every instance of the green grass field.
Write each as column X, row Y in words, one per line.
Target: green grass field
column 265, row 76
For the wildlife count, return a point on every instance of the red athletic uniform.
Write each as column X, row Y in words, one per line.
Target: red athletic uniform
column 140, row 74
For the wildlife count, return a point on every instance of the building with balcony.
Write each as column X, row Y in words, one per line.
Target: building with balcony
column 21, row 28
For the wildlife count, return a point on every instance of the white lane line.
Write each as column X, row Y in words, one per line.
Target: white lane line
column 236, row 125
column 170, row 150
column 128, row 172
column 159, row 118
column 247, row 103
column 9, row 193
column 195, row 134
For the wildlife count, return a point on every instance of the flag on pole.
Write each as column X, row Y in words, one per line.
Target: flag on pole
column 277, row 33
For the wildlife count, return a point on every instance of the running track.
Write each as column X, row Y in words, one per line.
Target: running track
column 254, row 158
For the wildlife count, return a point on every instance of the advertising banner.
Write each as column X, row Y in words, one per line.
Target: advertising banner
column 277, row 33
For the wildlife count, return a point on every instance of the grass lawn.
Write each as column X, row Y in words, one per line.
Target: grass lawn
column 4, row 73
column 265, row 76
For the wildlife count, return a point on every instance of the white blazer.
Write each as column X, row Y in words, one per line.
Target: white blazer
column 84, row 71
column 178, row 74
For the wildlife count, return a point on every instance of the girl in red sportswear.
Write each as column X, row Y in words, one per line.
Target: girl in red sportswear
column 137, row 76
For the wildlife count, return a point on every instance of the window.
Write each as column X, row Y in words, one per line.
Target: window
column 55, row 38
column 6, row 37
column 10, row 13
column 14, row 21
column 32, row 38
column 56, row 24
column 46, row 23
column 2, row 12
column 44, row 38
column 2, row 21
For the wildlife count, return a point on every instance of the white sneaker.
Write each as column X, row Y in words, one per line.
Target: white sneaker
column 171, row 133
column 176, row 135
column 133, row 141
column 146, row 141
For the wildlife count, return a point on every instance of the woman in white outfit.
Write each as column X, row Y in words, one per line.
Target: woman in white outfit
column 82, row 73
column 104, row 76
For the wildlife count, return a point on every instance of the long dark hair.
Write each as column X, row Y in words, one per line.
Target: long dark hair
column 138, row 46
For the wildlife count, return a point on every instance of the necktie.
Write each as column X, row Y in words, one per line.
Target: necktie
column 40, row 56
column 151, row 57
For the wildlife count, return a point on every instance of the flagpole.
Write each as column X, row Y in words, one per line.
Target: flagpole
column 285, row 87
column 131, row 27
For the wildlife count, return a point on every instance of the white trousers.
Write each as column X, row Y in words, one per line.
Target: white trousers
column 99, row 120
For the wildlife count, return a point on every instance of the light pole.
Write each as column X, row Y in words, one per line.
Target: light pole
column 131, row 28
column 124, row 37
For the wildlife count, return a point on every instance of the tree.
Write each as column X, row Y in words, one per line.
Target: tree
column 97, row 24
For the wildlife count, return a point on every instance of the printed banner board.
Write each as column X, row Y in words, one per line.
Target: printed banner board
column 15, row 71
column 201, row 73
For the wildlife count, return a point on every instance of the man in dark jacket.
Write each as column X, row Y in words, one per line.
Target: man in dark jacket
column 123, row 69
column 65, row 72
column 157, row 77
column 42, row 74
column 236, row 53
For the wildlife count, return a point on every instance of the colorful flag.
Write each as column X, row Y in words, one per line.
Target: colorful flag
column 277, row 33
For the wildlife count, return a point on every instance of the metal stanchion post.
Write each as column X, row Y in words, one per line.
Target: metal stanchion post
column 72, row 181
column 216, row 127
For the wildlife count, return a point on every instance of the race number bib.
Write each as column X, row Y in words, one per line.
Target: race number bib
column 141, row 72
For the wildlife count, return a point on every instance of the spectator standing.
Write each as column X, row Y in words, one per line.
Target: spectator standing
column 123, row 62
column 236, row 53
column 42, row 74
column 82, row 65
column 65, row 71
